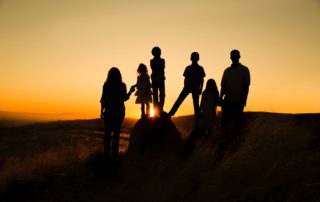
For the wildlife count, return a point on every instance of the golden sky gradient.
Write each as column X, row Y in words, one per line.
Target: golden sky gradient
column 55, row 55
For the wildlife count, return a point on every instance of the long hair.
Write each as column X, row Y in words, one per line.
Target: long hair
column 142, row 69
column 212, row 88
column 114, row 76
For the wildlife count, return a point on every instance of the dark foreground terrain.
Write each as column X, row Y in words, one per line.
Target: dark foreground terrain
column 276, row 158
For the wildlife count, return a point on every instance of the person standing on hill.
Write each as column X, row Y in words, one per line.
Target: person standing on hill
column 157, row 65
column 114, row 94
column 234, row 92
column 144, row 93
column 193, row 83
column 208, row 107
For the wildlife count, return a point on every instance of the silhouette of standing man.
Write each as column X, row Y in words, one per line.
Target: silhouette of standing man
column 234, row 92
column 193, row 83
column 157, row 65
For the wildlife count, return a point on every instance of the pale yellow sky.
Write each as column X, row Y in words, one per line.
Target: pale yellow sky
column 55, row 55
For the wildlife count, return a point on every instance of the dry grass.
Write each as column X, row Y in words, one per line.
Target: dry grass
column 276, row 159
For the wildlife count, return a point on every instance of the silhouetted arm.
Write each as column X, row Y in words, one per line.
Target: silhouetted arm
column 102, row 105
column 246, row 87
column 245, row 95
column 202, row 101
column 127, row 95
column 222, row 92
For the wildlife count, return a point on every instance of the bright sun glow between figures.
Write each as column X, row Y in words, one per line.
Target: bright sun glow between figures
column 152, row 112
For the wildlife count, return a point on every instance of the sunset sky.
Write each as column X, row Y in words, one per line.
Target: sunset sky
column 55, row 54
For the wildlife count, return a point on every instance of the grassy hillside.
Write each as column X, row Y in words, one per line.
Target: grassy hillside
column 277, row 158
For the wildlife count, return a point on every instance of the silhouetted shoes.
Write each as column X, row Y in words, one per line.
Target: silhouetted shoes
column 165, row 115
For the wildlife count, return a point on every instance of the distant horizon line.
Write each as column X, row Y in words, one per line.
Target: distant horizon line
column 91, row 116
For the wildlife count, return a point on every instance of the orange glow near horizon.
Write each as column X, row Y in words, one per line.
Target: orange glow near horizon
column 55, row 55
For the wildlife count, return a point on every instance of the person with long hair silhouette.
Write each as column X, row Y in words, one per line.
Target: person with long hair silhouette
column 114, row 94
column 144, row 93
column 157, row 65
column 208, row 107
column 193, row 83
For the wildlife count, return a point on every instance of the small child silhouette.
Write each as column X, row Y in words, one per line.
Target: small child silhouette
column 144, row 93
column 157, row 65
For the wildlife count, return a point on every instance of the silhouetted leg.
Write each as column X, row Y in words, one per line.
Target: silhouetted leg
column 195, row 98
column 184, row 93
column 143, row 113
column 155, row 87
column 226, row 124
column 115, row 143
column 226, row 117
column 238, row 116
column 162, row 96
column 116, row 135
column 148, row 109
column 107, row 136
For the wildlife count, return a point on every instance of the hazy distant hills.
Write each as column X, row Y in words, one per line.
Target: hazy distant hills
column 8, row 119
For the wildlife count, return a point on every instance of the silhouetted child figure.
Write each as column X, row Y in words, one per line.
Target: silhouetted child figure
column 144, row 93
column 114, row 95
column 208, row 107
column 193, row 84
column 157, row 65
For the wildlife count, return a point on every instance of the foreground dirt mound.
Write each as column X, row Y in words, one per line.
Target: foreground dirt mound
column 277, row 158
column 154, row 135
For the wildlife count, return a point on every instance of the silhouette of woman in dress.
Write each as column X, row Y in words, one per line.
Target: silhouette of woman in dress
column 114, row 95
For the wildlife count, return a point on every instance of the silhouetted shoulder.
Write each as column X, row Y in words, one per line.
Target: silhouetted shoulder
column 194, row 71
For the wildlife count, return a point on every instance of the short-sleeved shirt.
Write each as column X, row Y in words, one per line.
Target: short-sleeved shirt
column 157, row 66
column 235, row 78
column 194, row 75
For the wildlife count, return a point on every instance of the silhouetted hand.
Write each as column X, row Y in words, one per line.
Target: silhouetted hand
column 220, row 102
column 132, row 89
column 102, row 116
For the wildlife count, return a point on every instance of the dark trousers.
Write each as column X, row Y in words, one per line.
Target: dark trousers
column 112, row 124
column 232, row 113
column 158, row 92
column 195, row 97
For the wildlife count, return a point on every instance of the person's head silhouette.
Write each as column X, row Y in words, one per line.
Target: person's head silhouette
column 156, row 51
column 114, row 76
column 195, row 57
column 235, row 56
column 211, row 85
column 142, row 69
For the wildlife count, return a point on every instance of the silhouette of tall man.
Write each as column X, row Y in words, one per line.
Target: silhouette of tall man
column 234, row 92
column 193, row 83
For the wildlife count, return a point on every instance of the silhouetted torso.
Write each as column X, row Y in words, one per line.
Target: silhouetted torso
column 235, row 79
column 113, row 98
column 157, row 66
column 143, row 89
column 194, row 74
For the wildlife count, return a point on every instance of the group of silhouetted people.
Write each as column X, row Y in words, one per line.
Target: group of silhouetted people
column 232, row 99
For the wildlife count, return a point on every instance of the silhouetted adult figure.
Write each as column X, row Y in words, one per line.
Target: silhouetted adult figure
column 157, row 65
column 193, row 83
column 234, row 92
column 114, row 95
